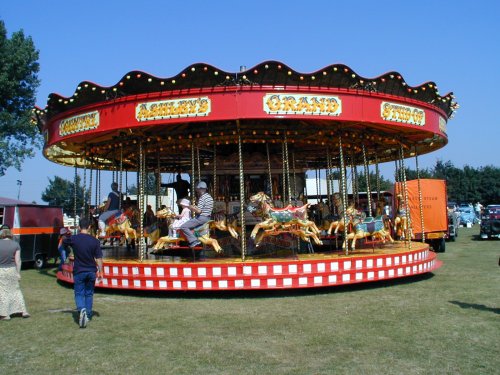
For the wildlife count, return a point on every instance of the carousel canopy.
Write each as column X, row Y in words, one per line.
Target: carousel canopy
column 262, row 107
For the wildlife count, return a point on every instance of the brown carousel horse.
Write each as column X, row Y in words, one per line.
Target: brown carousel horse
column 338, row 224
column 401, row 227
column 202, row 233
column 289, row 219
column 227, row 223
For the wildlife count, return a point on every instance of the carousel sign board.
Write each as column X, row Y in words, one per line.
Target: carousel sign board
column 177, row 108
column 402, row 113
column 296, row 104
column 80, row 123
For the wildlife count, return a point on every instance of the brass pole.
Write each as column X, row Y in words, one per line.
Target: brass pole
column 140, row 198
column 407, row 206
column 420, row 199
column 367, row 175
column 287, row 171
column 344, row 194
column 242, row 195
column 269, row 175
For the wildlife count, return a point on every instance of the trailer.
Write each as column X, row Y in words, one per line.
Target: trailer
column 428, row 211
column 35, row 227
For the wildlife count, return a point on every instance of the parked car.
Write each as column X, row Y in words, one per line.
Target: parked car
column 467, row 215
column 490, row 222
column 453, row 224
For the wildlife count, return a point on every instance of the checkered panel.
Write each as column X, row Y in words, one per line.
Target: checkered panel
column 265, row 275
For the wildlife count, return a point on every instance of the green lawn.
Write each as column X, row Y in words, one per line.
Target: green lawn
column 447, row 322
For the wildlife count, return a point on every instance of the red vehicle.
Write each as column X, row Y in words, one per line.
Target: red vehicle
column 35, row 227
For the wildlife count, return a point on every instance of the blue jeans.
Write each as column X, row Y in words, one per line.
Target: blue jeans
column 62, row 255
column 191, row 224
column 84, row 291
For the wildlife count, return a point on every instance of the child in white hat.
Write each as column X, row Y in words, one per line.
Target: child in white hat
column 184, row 216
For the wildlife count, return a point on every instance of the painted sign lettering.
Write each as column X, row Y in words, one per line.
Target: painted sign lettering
column 302, row 104
column 80, row 123
column 167, row 109
column 402, row 113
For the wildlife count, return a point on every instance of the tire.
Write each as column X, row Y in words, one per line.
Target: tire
column 40, row 261
column 439, row 246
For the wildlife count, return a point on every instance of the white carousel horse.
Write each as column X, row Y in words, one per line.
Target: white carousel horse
column 283, row 220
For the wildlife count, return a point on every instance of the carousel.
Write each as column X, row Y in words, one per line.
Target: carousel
column 252, row 137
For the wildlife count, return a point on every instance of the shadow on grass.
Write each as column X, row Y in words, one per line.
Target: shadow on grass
column 51, row 272
column 475, row 306
column 278, row 293
column 74, row 313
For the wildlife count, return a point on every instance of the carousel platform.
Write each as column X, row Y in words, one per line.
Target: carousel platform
column 295, row 271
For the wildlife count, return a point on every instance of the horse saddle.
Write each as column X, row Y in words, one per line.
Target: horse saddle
column 202, row 229
column 116, row 219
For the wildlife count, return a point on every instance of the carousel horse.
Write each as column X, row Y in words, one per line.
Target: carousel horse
column 202, row 233
column 401, row 227
column 283, row 220
column 152, row 233
column 227, row 223
column 121, row 223
column 363, row 227
column 337, row 224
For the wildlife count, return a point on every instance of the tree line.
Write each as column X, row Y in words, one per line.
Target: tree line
column 465, row 185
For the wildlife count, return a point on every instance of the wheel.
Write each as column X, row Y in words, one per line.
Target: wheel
column 40, row 261
column 439, row 246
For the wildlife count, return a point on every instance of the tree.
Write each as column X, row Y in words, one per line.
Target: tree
column 467, row 185
column 18, row 84
column 385, row 185
column 149, row 186
column 61, row 192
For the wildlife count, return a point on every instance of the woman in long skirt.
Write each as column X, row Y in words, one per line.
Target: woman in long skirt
column 11, row 297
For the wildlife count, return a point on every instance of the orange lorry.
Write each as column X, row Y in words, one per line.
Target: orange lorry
column 436, row 225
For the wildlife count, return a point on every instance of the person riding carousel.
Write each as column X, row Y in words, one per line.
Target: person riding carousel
column 111, row 208
column 203, row 211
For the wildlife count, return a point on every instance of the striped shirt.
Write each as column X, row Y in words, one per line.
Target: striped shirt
column 206, row 205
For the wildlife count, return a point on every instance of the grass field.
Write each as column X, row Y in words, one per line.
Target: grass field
column 447, row 322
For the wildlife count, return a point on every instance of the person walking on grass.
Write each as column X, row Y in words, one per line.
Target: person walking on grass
column 11, row 297
column 88, row 261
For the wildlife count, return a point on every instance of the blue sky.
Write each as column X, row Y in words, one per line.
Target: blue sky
column 453, row 43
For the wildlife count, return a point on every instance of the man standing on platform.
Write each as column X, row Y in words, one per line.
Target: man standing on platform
column 88, row 261
column 202, row 210
column 181, row 188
